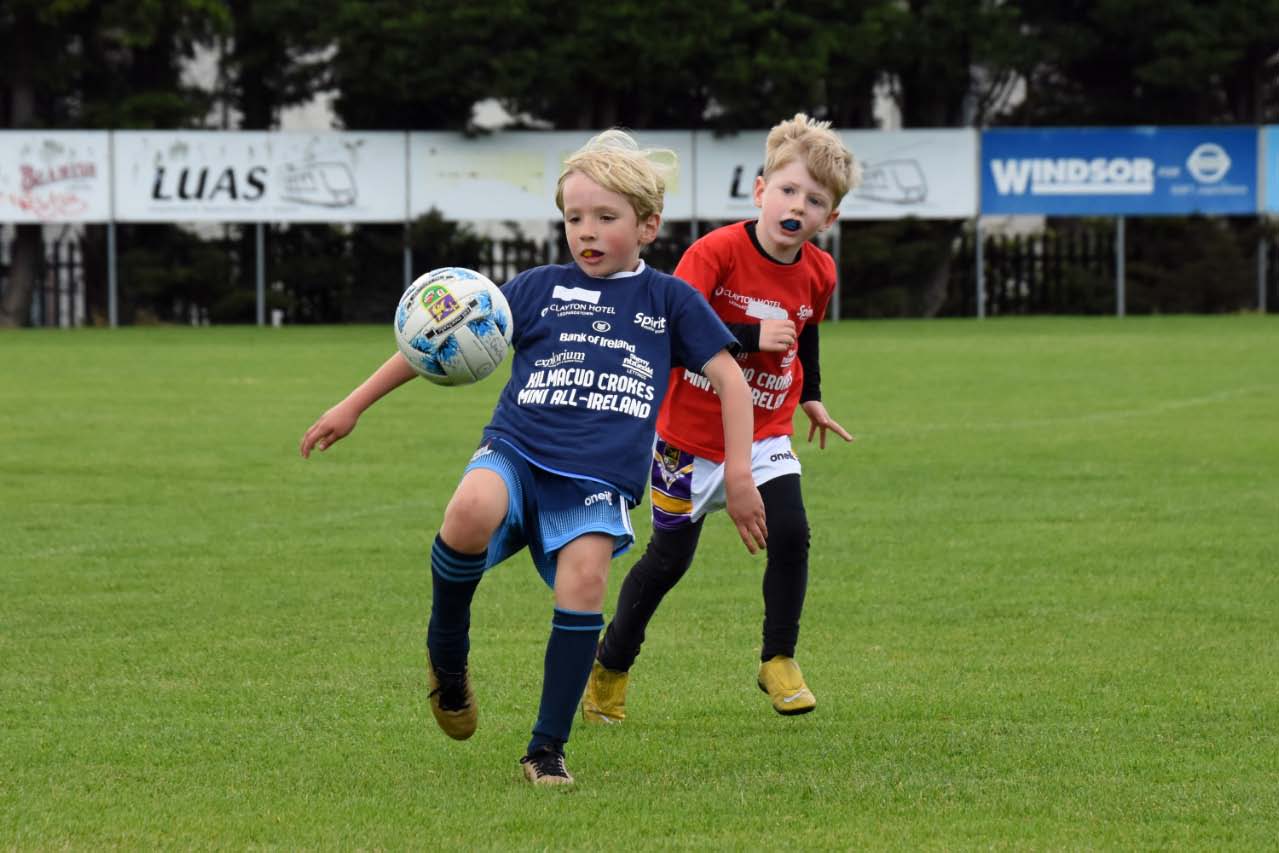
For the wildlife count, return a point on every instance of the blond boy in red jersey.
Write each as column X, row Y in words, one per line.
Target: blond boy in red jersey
column 770, row 285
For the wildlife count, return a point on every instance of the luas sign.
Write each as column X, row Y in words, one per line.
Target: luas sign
column 259, row 177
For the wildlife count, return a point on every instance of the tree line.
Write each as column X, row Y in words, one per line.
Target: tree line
column 714, row 64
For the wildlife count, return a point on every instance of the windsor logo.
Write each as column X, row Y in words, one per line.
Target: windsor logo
column 1074, row 176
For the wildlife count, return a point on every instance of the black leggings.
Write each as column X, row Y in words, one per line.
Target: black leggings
column 669, row 554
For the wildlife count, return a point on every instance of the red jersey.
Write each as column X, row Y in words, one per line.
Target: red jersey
column 743, row 286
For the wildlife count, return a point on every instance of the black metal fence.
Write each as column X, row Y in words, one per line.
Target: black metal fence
column 321, row 274
column 58, row 298
column 1045, row 273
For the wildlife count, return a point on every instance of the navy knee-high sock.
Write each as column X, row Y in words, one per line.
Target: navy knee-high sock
column 569, row 653
column 454, row 577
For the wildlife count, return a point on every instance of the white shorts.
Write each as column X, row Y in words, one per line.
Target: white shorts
column 685, row 487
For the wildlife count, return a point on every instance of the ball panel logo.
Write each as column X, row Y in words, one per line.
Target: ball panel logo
column 439, row 301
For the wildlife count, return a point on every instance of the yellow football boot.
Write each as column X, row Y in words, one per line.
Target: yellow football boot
column 605, row 698
column 452, row 702
column 781, row 679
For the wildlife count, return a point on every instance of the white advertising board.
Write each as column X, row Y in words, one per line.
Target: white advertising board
column 247, row 176
column 513, row 175
column 929, row 174
column 258, row 176
column 55, row 176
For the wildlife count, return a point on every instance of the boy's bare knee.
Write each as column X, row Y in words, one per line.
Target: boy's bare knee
column 585, row 585
column 474, row 512
column 581, row 575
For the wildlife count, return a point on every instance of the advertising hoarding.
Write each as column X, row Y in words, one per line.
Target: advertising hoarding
column 248, row 176
column 1270, row 168
column 513, row 175
column 55, row 176
column 929, row 174
column 1151, row 171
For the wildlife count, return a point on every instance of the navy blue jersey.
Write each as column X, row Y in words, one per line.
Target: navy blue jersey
column 591, row 365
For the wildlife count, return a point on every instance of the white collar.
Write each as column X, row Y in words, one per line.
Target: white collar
column 624, row 274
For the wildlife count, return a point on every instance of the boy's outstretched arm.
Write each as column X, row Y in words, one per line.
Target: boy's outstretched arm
column 744, row 504
column 819, row 418
column 337, row 422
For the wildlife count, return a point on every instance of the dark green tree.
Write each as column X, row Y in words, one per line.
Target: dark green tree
column 1125, row 62
column 34, row 47
column 275, row 56
column 94, row 64
column 944, row 63
column 415, row 64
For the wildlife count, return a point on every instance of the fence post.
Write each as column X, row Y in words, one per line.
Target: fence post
column 260, row 241
column 113, row 294
column 1119, row 266
column 835, row 245
column 980, row 263
column 1261, row 274
column 408, row 256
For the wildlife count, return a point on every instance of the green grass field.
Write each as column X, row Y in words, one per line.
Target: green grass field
column 1042, row 612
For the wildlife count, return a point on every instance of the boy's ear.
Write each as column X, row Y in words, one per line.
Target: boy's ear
column 649, row 228
column 830, row 220
column 759, row 191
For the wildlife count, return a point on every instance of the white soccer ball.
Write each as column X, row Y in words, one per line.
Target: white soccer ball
column 453, row 325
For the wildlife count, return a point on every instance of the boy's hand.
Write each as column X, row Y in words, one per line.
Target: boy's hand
column 333, row 425
column 776, row 335
column 820, row 419
column 746, row 508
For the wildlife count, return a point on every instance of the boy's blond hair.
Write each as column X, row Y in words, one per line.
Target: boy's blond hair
column 614, row 160
column 819, row 148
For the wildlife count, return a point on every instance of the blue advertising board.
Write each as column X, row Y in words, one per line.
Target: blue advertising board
column 1119, row 171
column 1270, row 145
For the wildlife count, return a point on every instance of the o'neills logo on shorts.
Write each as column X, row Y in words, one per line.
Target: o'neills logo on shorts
column 600, row 496
column 778, row 457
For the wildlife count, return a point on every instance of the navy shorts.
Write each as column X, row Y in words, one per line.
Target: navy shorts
column 547, row 510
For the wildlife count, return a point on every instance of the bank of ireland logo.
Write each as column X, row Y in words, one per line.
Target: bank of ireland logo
column 1208, row 163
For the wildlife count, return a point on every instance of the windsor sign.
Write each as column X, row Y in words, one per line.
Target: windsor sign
column 1152, row 171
